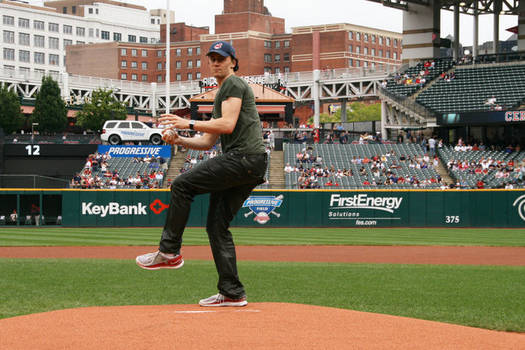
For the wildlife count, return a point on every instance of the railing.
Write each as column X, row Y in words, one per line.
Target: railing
column 408, row 103
column 31, row 181
column 52, row 139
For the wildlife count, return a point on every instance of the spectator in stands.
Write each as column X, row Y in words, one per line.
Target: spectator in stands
column 13, row 217
column 432, row 146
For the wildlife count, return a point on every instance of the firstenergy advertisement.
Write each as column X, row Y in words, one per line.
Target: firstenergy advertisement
column 364, row 209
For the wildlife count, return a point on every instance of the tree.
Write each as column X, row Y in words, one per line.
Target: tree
column 361, row 112
column 50, row 110
column 10, row 116
column 102, row 106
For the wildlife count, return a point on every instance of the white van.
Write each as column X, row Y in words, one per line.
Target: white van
column 115, row 132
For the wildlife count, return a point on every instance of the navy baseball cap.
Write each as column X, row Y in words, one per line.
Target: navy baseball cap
column 223, row 48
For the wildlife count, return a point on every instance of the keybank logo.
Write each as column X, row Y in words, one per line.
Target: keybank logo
column 363, row 201
column 520, row 203
column 113, row 208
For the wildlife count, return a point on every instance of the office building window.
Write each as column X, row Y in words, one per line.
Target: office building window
column 277, row 58
column 134, row 52
column 23, row 39
column 144, row 65
column 373, row 52
column 39, row 57
column 387, row 41
column 123, row 64
column 81, row 31
column 23, row 22
column 123, row 52
column 380, row 53
column 277, row 70
column 350, row 35
column 9, row 37
column 286, row 43
column 178, row 64
column 268, row 70
column 365, row 50
column 80, row 42
column 104, row 35
column 178, row 77
column 286, row 57
column 267, row 58
column 395, row 42
column 198, row 63
column 159, row 53
column 357, row 63
column 350, row 48
column 178, row 52
column 90, row 10
column 91, row 32
column 268, row 44
column 287, row 69
column 189, row 64
column 134, row 77
column 54, row 43
column 159, row 78
column 198, row 51
column 123, row 76
column 38, row 25
column 358, row 36
column 67, row 29
column 190, row 51
column 38, row 40
column 9, row 54
column 380, row 40
column 358, row 49
column 365, row 38
column 198, row 75
column 144, row 53
column 53, row 27
column 64, row 10
column 388, row 54
column 143, row 39
column 73, row 9
column 132, row 38
column 277, row 44
column 133, row 64
column 190, row 76
column 373, row 38
column 159, row 66
column 144, row 77
column 8, row 20
column 67, row 42
column 395, row 55
column 117, row 36
column 54, row 60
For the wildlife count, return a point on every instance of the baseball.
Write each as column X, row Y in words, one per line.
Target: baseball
column 168, row 135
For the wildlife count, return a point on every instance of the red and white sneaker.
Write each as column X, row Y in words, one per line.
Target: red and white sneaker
column 158, row 260
column 221, row 300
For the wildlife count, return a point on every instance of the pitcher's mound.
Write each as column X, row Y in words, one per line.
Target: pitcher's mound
column 257, row 326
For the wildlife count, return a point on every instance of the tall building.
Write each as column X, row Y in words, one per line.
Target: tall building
column 34, row 38
column 260, row 41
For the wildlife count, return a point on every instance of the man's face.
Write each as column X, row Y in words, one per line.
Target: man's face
column 220, row 66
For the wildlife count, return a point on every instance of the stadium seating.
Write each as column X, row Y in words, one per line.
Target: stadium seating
column 472, row 86
column 340, row 157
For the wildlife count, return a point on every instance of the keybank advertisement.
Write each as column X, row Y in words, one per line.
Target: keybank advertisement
column 128, row 208
column 136, row 151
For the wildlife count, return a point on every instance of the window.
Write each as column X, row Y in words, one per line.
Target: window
column 198, row 63
column 123, row 52
column 54, row 43
column 380, row 53
column 9, row 54
column 365, row 64
column 350, row 48
column 395, row 42
column 365, row 50
column 198, row 51
column 143, row 39
column 277, row 70
column 358, row 36
column 277, row 44
column 190, row 51
column 388, row 54
column 23, row 22
column 53, row 27
column 39, row 25
column 123, row 64
column 178, row 52
column 373, row 38
column 267, row 58
column 64, row 9
column 152, row 20
column 123, row 76
column 189, row 64
column 178, row 77
column 9, row 37
column 81, row 31
column 286, row 57
column 277, row 58
column 132, row 38
column 134, row 52
column 117, row 36
column 91, row 32
column 104, row 35
column 387, row 41
column 134, row 77
column 144, row 65
column 395, row 55
column 190, row 76
column 357, row 63
column 268, row 44
column 159, row 53
column 133, row 64
column 80, row 42
column 67, row 29
column 267, row 70
column 54, row 60
column 23, row 39
column 350, row 62
column 73, row 9
column 144, row 77
column 159, row 66
column 39, row 57
column 198, row 75
column 159, row 78
column 144, row 53
column 380, row 40
column 67, row 42
column 38, row 40
column 90, row 10
column 373, row 52
column 286, row 43
column 350, row 35
column 365, row 37
column 358, row 49
column 8, row 20
column 24, row 70
column 287, row 69
column 178, row 64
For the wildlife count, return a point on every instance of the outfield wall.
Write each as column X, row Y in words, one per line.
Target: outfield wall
column 282, row 208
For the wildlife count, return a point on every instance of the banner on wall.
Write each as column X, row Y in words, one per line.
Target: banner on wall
column 136, row 151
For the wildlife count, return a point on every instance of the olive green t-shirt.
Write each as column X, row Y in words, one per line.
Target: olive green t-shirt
column 247, row 135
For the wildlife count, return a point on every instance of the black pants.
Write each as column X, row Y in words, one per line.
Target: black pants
column 229, row 178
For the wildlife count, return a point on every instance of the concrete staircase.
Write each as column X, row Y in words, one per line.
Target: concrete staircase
column 176, row 162
column 442, row 171
column 277, row 169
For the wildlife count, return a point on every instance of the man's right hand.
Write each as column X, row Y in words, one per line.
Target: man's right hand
column 170, row 136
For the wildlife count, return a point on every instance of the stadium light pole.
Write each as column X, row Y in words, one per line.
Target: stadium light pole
column 167, row 56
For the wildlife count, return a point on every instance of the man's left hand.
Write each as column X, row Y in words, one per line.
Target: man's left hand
column 174, row 121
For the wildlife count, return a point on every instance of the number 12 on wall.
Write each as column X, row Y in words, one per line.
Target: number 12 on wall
column 33, row 150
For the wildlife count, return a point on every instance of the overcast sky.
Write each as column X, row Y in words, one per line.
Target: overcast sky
column 308, row 12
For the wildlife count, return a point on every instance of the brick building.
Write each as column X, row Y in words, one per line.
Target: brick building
column 259, row 39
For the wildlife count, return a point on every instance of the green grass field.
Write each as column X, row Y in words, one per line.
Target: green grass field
column 480, row 296
column 63, row 236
